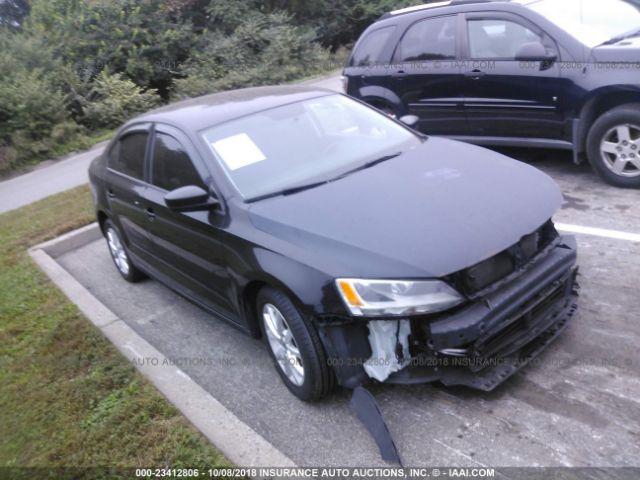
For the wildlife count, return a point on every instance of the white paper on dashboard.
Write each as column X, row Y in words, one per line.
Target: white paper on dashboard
column 238, row 151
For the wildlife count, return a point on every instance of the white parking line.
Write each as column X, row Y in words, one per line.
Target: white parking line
column 599, row 232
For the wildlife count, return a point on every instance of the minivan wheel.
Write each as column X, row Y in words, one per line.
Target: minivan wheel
column 119, row 254
column 294, row 345
column 613, row 145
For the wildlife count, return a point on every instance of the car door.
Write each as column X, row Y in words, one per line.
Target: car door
column 505, row 97
column 428, row 77
column 367, row 71
column 187, row 246
column 125, row 180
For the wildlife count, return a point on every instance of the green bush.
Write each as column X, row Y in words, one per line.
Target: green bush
column 30, row 109
column 262, row 49
column 25, row 149
column 7, row 158
column 31, row 99
column 28, row 103
column 114, row 99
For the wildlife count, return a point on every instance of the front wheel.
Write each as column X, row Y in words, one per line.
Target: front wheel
column 294, row 346
column 613, row 146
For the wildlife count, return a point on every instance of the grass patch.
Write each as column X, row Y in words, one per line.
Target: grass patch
column 67, row 396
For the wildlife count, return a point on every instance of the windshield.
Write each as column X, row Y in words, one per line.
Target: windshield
column 304, row 142
column 593, row 22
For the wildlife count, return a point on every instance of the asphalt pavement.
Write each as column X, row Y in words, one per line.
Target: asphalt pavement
column 49, row 179
column 576, row 405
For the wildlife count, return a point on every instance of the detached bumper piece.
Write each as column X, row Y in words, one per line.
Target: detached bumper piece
column 481, row 344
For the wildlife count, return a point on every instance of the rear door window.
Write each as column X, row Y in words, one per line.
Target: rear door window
column 370, row 49
column 430, row 39
column 127, row 156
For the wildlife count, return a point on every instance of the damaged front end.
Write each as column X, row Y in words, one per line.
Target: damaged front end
column 515, row 303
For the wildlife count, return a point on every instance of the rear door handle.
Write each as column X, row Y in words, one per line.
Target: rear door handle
column 475, row 74
column 399, row 74
column 150, row 214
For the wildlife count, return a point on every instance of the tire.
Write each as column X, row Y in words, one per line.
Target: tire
column 119, row 254
column 616, row 162
column 317, row 379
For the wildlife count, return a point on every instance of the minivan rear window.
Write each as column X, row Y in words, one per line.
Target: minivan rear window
column 370, row 48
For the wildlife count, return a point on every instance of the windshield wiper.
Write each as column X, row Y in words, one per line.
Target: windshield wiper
column 308, row 186
column 369, row 164
column 300, row 188
column 288, row 191
column 619, row 38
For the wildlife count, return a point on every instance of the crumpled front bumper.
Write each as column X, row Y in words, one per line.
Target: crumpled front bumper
column 481, row 344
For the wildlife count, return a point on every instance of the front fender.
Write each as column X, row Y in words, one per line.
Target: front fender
column 311, row 290
column 373, row 93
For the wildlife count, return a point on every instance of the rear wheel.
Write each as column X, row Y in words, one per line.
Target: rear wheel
column 613, row 146
column 119, row 254
column 294, row 346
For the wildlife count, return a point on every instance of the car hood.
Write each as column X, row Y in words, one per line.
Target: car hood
column 433, row 210
column 627, row 50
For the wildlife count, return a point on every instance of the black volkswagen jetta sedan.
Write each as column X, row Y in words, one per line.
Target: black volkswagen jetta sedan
column 532, row 73
column 359, row 249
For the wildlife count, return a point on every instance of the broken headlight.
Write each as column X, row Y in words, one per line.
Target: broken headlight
column 396, row 297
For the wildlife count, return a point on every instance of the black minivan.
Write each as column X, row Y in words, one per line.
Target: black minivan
column 534, row 73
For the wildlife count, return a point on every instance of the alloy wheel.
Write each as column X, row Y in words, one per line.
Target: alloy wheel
column 620, row 150
column 117, row 251
column 282, row 344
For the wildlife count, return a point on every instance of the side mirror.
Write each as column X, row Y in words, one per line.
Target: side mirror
column 534, row 51
column 190, row 199
column 410, row 120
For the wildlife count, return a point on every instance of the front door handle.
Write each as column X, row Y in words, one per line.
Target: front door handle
column 150, row 214
column 399, row 74
column 110, row 193
column 475, row 74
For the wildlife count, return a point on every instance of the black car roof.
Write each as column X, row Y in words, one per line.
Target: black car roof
column 201, row 112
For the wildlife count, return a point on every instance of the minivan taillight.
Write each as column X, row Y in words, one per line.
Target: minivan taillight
column 345, row 83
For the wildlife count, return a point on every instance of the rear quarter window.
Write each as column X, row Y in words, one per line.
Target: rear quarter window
column 369, row 50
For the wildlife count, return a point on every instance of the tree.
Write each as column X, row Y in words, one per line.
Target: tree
column 243, row 47
column 138, row 38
